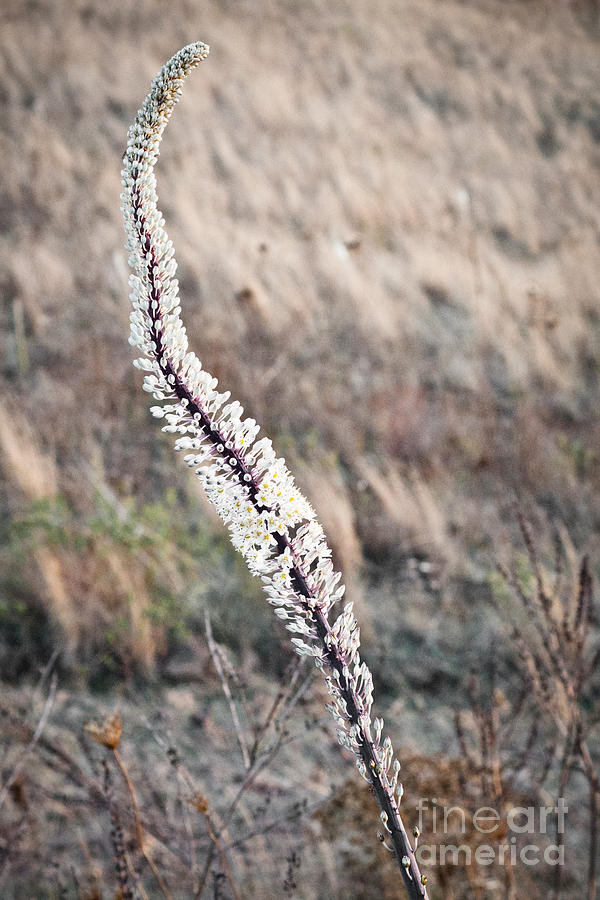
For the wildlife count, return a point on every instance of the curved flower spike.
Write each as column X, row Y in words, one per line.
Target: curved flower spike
column 269, row 520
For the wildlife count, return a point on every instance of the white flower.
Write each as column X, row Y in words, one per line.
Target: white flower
column 269, row 520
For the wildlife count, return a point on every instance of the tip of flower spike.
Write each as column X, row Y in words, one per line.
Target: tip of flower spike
column 197, row 49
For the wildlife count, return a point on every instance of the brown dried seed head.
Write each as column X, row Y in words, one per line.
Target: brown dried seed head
column 108, row 732
column 200, row 803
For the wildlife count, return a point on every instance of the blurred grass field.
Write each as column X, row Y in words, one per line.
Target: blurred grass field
column 387, row 223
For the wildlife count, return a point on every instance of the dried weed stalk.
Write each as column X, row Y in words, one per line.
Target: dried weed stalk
column 31, row 745
column 559, row 653
column 108, row 734
column 122, row 862
column 493, row 759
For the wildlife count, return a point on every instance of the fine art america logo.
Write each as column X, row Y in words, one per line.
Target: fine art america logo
column 507, row 835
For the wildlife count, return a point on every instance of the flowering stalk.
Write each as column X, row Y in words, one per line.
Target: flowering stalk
column 269, row 520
